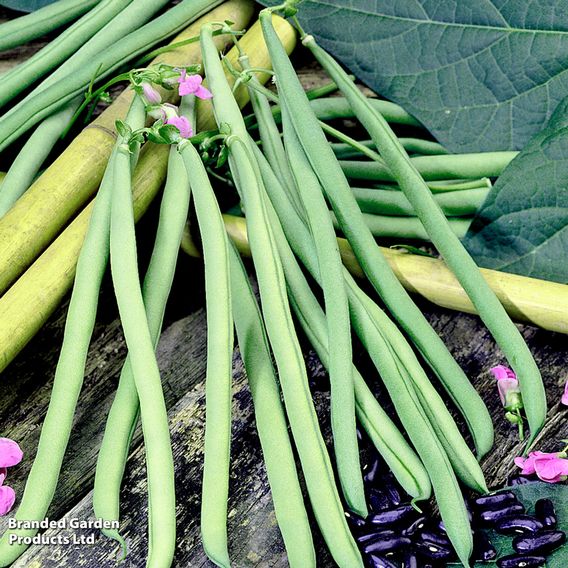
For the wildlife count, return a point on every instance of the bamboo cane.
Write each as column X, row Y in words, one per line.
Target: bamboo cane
column 27, row 305
column 64, row 188
column 527, row 300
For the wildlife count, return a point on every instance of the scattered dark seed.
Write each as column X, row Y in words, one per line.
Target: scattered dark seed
column 520, row 561
column 410, row 561
column 388, row 544
column 518, row 524
column 495, row 501
column 356, row 522
column 376, row 535
column 483, row 548
column 415, row 526
column 438, row 538
column 378, row 501
column 491, row 516
column 544, row 511
column 519, row 480
column 380, row 562
column 397, row 515
column 541, row 543
column 392, row 490
column 433, row 551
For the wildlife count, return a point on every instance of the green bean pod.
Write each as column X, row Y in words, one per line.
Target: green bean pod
column 30, row 111
column 388, row 202
column 449, row 166
column 124, row 412
column 315, row 461
column 56, row 429
column 338, row 324
column 371, row 259
column 155, row 425
column 270, row 420
column 218, row 395
column 32, row 156
column 23, row 29
column 411, row 145
column 23, row 75
column 399, row 227
column 487, row 304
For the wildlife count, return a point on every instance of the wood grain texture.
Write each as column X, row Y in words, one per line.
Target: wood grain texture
column 253, row 535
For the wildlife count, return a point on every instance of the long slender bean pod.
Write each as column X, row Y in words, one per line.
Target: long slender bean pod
column 23, row 75
column 154, row 416
column 338, row 324
column 411, row 145
column 32, row 156
column 369, row 255
column 399, row 227
column 27, row 113
column 270, row 420
column 123, row 415
column 31, row 26
column 280, row 328
column 448, row 166
column 56, row 429
column 215, row 489
column 457, row 258
column 388, row 202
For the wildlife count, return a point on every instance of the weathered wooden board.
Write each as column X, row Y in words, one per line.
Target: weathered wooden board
column 253, row 534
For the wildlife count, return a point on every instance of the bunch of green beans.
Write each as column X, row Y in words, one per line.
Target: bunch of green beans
column 457, row 258
column 68, row 380
column 315, row 461
column 29, row 112
column 411, row 145
column 31, row 26
column 371, row 259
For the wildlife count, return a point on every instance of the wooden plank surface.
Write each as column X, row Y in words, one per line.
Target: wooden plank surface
column 253, row 534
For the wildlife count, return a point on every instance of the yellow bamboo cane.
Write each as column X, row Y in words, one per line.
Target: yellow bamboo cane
column 30, row 301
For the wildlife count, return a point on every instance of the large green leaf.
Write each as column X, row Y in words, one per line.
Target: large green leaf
column 523, row 225
column 529, row 494
column 480, row 74
column 25, row 5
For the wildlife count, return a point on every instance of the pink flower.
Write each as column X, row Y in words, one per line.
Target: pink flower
column 550, row 468
column 163, row 112
column 7, row 499
column 191, row 85
column 508, row 387
column 565, row 395
column 151, row 95
column 182, row 124
column 10, row 453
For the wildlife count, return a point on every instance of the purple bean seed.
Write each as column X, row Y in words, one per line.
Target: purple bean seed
column 432, row 550
column 519, row 480
column 356, row 523
column 491, row 516
column 375, row 535
column 415, row 526
column 495, row 501
column 541, row 543
column 438, row 538
column 387, row 544
column 410, row 561
column 371, row 474
column 376, row 561
column 518, row 524
column 520, row 561
column 392, row 490
column 544, row 511
column 378, row 501
column 483, row 548
column 394, row 516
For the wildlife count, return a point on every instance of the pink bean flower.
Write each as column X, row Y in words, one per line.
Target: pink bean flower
column 550, row 468
column 7, row 499
column 150, row 94
column 565, row 395
column 191, row 85
column 508, row 387
column 182, row 124
column 10, row 453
